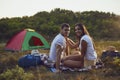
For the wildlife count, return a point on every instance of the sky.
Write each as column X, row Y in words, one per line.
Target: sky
column 20, row 8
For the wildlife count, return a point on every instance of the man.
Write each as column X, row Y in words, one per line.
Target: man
column 58, row 45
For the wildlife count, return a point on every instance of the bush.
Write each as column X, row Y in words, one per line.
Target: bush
column 116, row 63
column 16, row 74
column 112, row 66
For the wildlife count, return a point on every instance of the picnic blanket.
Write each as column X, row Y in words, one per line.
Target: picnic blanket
column 64, row 68
column 51, row 64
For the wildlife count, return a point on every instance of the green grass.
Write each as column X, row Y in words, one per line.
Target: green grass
column 10, row 71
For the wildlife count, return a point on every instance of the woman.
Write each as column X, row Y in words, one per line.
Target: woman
column 88, row 54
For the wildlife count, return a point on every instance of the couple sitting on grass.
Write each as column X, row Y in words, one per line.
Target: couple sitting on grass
column 85, row 57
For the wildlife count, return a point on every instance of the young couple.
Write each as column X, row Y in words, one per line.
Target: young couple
column 87, row 56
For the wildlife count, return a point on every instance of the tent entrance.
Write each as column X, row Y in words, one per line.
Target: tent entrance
column 34, row 41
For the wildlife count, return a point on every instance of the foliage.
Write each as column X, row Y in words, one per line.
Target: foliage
column 112, row 66
column 101, row 25
column 16, row 74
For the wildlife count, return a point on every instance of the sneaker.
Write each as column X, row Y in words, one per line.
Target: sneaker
column 53, row 69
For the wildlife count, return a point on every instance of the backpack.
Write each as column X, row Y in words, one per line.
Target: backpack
column 111, row 54
column 29, row 60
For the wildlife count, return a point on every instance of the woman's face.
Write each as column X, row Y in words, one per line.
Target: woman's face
column 78, row 31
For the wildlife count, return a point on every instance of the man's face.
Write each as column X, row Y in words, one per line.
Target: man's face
column 65, row 31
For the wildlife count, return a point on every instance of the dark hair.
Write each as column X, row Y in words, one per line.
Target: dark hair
column 65, row 25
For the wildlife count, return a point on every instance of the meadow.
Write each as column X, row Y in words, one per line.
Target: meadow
column 9, row 70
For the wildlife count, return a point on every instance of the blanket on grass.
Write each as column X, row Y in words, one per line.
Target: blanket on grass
column 51, row 65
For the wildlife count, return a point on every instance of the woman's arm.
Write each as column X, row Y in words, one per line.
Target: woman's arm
column 83, row 48
column 72, row 44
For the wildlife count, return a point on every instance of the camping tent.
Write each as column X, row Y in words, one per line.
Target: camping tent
column 27, row 39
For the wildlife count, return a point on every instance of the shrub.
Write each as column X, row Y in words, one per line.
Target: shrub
column 16, row 74
column 112, row 66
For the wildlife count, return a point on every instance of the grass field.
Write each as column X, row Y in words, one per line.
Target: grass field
column 9, row 70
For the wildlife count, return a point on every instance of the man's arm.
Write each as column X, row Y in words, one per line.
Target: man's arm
column 58, row 59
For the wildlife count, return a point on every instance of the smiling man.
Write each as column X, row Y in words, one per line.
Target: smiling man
column 58, row 45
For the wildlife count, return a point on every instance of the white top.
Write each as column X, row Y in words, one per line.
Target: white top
column 58, row 40
column 90, row 53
